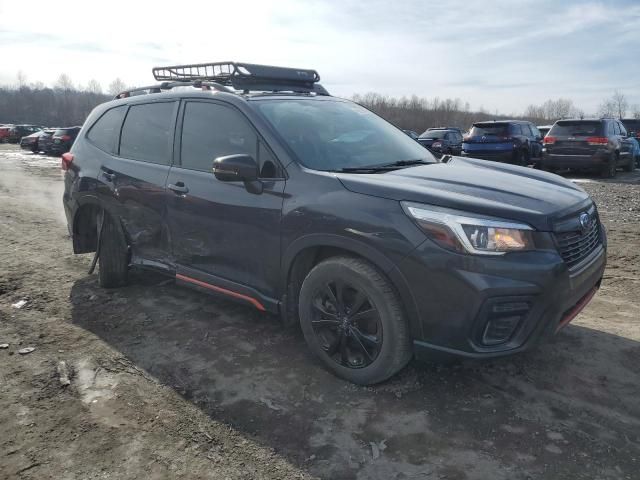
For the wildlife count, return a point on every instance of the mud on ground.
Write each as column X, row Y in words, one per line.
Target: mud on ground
column 167, row 382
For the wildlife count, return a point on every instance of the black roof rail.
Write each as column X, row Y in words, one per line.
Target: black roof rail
column 132, row 92
column 245, row 76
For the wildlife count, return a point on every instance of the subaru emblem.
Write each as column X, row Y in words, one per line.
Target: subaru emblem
column 585, row 220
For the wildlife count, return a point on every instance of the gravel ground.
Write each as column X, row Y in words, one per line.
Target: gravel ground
column 165, row 382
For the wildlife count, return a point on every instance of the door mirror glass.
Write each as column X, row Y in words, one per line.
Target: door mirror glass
column 235, row 168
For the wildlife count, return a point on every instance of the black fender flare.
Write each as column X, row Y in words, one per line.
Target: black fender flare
column 371, row 254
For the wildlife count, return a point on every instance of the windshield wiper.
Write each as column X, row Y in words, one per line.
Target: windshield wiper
column 386, row 167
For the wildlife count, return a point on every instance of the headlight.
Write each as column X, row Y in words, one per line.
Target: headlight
column 481, row 236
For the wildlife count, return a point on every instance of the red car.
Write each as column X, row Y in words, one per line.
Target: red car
column 5, row 131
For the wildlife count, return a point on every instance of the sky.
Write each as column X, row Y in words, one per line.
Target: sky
column 497, row 55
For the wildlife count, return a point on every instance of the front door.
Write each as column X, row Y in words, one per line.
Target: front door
column 225, row 235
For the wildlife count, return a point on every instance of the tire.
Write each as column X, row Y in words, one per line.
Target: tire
column 113, row 262
column 345, row 340
column 631, row 164
column 610, row 170
column 519, row 158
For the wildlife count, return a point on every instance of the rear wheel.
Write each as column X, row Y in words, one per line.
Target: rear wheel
column 113, row 260
column 611, row 168
column 353, row 321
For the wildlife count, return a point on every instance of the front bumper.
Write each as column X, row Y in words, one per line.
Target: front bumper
column 457, row 298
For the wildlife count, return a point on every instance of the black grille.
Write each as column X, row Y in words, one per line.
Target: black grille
column 577, row 245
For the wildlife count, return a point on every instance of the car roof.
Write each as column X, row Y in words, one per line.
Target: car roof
column 499, row 122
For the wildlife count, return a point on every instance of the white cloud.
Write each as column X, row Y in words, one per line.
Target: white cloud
column 501, row 55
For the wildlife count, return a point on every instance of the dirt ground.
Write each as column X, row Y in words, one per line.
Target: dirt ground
column 166, row 382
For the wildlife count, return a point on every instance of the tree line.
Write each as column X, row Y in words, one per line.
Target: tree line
column 62, row 105
column 67, row 104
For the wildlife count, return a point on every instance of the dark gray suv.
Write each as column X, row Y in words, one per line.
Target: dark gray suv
column 598, row 144
column 252, row 182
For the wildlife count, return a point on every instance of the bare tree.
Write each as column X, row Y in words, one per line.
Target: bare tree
column 22, row 79
column 635, row 111
column 93, row 86
column 64, row 83
column 116, row 87
column 615, row 106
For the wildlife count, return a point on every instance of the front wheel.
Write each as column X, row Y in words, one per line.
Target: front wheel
column 631, row 164
column 353, row 321
column 113, row 259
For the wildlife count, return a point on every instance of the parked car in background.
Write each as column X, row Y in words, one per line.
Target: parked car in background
column 62, row 140
column 18, row 131
column 544, row 129
column 509, row 141
column 31, row 142
column 633, row 126
column 442, row 140
column 411, row 133
column 596, row 144
column 4, row 133
column 44, row 141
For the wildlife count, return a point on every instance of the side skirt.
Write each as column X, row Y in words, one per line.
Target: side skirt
column 220, row 286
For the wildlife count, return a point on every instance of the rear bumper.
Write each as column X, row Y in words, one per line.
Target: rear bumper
column 500, row 156
column 597, row 160
column 458, row 296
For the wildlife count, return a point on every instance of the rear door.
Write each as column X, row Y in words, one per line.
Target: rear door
column 225, row 237
column 137, row 177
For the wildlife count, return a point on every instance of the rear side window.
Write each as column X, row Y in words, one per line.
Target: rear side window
column 623, row 131
column 516, row 130
column 147, row 133
column 575, row 129
column 105, row 132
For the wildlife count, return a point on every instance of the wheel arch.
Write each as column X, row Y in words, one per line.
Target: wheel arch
column 308, row 251
column 84, row 225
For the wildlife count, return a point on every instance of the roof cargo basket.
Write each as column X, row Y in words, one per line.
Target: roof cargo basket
column 244, row 76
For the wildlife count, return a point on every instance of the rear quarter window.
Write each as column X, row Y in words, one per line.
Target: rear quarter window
column 105, row 131
column 147, row 133
column 576, row 129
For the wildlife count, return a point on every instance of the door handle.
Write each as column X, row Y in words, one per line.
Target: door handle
column 108, row 174
column 178, row 188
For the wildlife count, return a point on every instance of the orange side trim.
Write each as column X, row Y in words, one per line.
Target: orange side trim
column 215, row 288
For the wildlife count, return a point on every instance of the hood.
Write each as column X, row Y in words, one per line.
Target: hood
column 478, row 186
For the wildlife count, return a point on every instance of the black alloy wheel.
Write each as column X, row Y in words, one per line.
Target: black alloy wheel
column 347, row 324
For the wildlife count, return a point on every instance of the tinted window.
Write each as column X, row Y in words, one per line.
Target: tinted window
column 147, row 133
column 576, row 128
column 210, row 130
column 631, row 125
column 515, row 129
column 616, row 128
column 105, row 132
column 622, row 129
column 331, row 134
column 499, row 130
column 433, row 134
column 534, row 131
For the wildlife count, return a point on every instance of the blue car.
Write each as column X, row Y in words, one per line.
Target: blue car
column 509, row 141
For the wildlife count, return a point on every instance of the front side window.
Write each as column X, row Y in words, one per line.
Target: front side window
column 210, row 130
column 105, row 132
column 147, row 133
column 331, row 134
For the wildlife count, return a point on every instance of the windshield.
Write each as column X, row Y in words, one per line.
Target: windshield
column 334, row 135
column 575, row 129
column 433, row 134
column 486, row 130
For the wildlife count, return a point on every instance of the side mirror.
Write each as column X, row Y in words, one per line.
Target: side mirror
column 235, row 168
